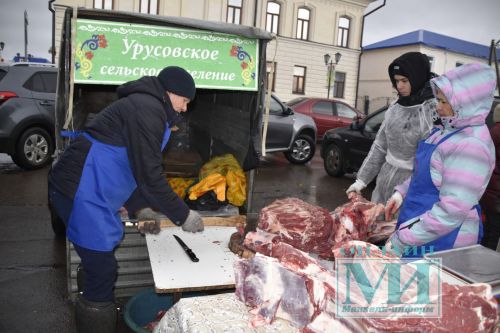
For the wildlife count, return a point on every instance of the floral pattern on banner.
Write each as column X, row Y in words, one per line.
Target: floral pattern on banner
column 247, row 64
column 85, row 54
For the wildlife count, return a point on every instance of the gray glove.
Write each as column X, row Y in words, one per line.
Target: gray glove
column 193, row 222
column 151, row 220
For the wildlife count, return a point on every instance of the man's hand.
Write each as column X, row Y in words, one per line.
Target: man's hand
column 357, row 187
column 193, row 222
column 393, row 205
column 149, row 221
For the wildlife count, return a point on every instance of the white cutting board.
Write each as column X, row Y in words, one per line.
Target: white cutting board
column 173, row 270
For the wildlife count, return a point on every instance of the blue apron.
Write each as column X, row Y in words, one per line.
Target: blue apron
column 423, row 194
column 106, row 183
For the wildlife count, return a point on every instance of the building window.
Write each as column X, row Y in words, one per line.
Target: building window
column 234, row 11
column 273, row 17
column 148, row 7
column 343, row 35
column 339, row 85
column 299, row 80
column 431, row 61
column 103, row 4
column 458, row 64
column 303, row 23
column 269, row 67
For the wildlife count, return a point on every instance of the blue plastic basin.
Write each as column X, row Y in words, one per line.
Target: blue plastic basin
column 143, row 307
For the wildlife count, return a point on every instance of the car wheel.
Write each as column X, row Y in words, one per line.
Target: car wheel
column 334, row 161
column 34, row 149
column 58, row 225
column 302, row 151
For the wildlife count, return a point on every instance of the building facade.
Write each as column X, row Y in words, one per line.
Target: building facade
column 444, row 52
column 305, row 31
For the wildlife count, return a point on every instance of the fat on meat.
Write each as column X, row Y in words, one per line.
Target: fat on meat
column 381, row 231
column 464, row 308
column 284, row 281
column 304, row 226
column 354, row 219
column 261, row 241
column 293, row 286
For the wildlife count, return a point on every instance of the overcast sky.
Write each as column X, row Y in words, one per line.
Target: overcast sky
column 472, row 20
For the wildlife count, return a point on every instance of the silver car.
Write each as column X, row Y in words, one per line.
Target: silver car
column 291, row 133
column 27, row 97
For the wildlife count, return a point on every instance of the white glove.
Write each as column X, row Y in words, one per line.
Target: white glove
column 392, row 205
column 357, row 187
column 150, row 219
column 193, row 222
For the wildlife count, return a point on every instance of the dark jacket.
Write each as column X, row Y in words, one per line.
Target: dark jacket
column 137, row 121
column 490, row 200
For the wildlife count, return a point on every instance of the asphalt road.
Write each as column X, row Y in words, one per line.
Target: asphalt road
column 33, row 296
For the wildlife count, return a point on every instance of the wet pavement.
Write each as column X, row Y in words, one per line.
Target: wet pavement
column 33, row 261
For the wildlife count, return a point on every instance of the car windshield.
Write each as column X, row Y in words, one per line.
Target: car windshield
column 374, row 122
column 296, row 101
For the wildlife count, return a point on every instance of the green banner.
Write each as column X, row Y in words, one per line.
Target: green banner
column 114, row 53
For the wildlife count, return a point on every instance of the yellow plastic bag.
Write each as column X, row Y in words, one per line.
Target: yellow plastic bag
column 214, row 182
column 219, row 164
column 227, row 165
column 236, row 187
column 180, row 185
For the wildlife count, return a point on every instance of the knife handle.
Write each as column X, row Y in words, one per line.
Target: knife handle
column 191, row 255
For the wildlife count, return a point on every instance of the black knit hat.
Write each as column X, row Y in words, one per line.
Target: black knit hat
column 413, row 65
column 178, row 81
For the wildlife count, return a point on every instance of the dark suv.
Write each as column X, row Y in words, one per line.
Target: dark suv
column 344, row 149
column 27, row 98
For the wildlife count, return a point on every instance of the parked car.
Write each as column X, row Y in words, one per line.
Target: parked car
column 291, row 133
column 27, row 97
column 344, row 149
column 327, row 113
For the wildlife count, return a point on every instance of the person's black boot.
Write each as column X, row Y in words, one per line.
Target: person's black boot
column 95, row 317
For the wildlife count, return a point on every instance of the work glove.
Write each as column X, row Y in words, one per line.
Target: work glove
column 392, row 205
column 193, row 222
column 151, row 221
column 357, row 187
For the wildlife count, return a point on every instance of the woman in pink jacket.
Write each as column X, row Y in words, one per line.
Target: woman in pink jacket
column 453, row 165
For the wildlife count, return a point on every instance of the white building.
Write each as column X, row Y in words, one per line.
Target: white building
column 444, row 54
column 305, row 31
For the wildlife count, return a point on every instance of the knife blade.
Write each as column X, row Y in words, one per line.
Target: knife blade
column 186, row 249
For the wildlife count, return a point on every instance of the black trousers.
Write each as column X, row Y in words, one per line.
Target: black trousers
column 491, row 229
column 100, row 267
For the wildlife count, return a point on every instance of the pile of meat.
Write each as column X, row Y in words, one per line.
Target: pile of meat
column 283, row 280
column 313, row 229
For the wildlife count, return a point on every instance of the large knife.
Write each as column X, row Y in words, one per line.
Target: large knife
column 186, row 249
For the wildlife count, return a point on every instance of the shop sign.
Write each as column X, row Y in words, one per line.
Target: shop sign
column 114, row 53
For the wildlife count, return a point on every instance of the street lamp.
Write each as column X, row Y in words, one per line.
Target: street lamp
column 2, row 45
column 329, row 63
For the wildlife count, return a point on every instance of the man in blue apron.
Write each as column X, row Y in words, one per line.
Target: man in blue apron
column 115, row 162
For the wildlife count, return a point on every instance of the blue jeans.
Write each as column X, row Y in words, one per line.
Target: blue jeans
column 100, row 267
